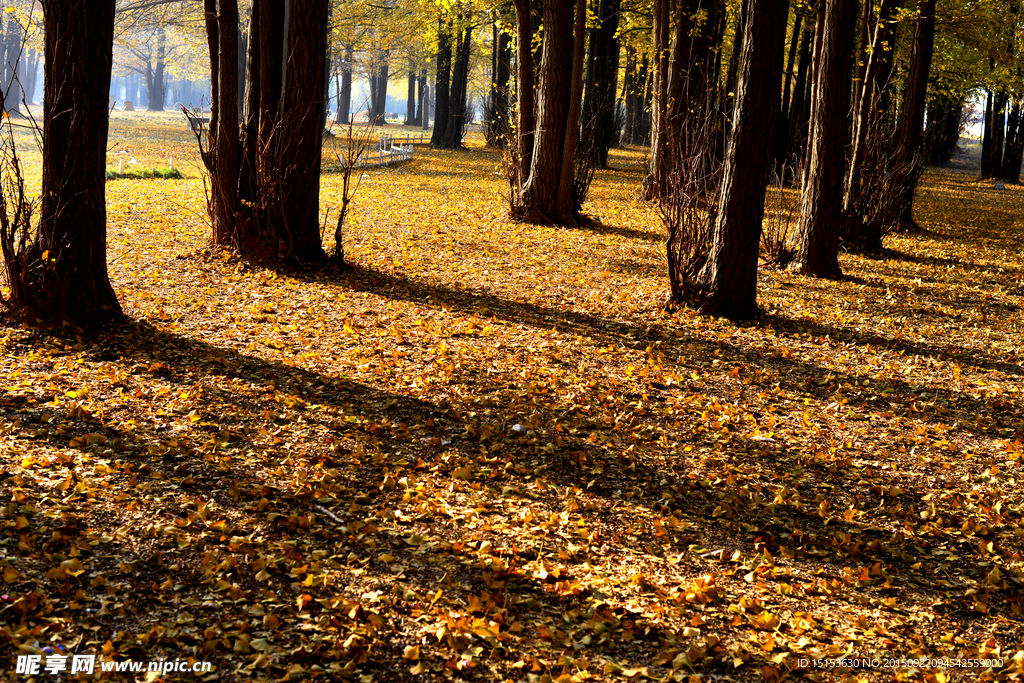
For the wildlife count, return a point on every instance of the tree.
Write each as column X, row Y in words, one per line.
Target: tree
column 271, row 209
column 13, row 38
column 453, row 50
column 911, row 119
column 683, row 75
column 62, row 273
column 602, row 78
column 821, row 202
column 543, row 184
column 730, row 276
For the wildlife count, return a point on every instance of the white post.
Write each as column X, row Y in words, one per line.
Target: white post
column 170, row 163
column 120, row 164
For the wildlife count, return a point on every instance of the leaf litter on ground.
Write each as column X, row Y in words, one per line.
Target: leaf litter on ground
column 483, row 450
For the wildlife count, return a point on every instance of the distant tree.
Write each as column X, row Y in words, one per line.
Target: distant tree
column 61, row 272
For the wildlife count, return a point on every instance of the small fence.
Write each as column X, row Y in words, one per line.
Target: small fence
column 386, row 153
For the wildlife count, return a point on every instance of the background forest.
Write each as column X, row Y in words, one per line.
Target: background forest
column 686, row 346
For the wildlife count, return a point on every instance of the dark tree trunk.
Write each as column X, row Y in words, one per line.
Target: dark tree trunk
column 911, row 121
column 546, row 194
column 821, row 205
column 524, row 92
column 682, row 78
column 455, row 126
column 995, row 127
column 345, row 89
column 422, row 113
column 1014, row 148
column 660, row 50
column 222, row 154
column 602, row 79
column 497, row 104
column 243, row 61
column 155, row 78
column 737, row 51
column 987, row 170
column 868, row 103
column 730, row 275
column 282, row 128
column 12, row 49
column 645, row 103
column 302, row 130
column 782, row 125
column 410, row 96
column 629, row 99
column 32, row 76
column 79, row 38
column 442, row 82
column 248, row 180
column 944, row 128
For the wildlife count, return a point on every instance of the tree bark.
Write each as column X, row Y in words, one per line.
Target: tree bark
column 442, row 82
column 72, row 235
column 12, row 48
column 222, row 37
column 410, row 96
column 526, row 122
column 602, row 78
column 1014, row 147
column 783, row 123
column 821, row 206
column 911, row 120
column 345, row 90
column 455, row 126
column 730, row 275
column 547, row 192
column 155, row 77
column 302, row 129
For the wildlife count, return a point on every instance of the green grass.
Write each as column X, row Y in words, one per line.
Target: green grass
column 159, row 172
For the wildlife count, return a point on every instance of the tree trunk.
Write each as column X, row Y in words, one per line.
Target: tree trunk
column 911, row 120
column 599, row 119
column 629, row 99
column 497, row 123
column 279, row 179
column 525, row 95
column 986, row 139
column 345, row 90
column 821, row 206
column 32, row 76
column 302, row 129
column 155, row 78
column 730, row 275
column 868, row 101
column 547, row 192
column 1014, row 148
column 422, row 115
column 410, row 96
column 222, row 161
column 682, row 79
column 12, row 47
column 455, row 126
column 72, row 234
column 442, row 82
column 782, row 125
column 379, row 91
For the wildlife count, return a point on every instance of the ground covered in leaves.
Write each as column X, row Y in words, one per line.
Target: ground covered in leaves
column 484, row 452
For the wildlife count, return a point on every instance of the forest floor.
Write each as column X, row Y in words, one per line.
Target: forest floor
column 484, row 452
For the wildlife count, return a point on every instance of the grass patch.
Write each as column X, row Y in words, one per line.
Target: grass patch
column 160, row 172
